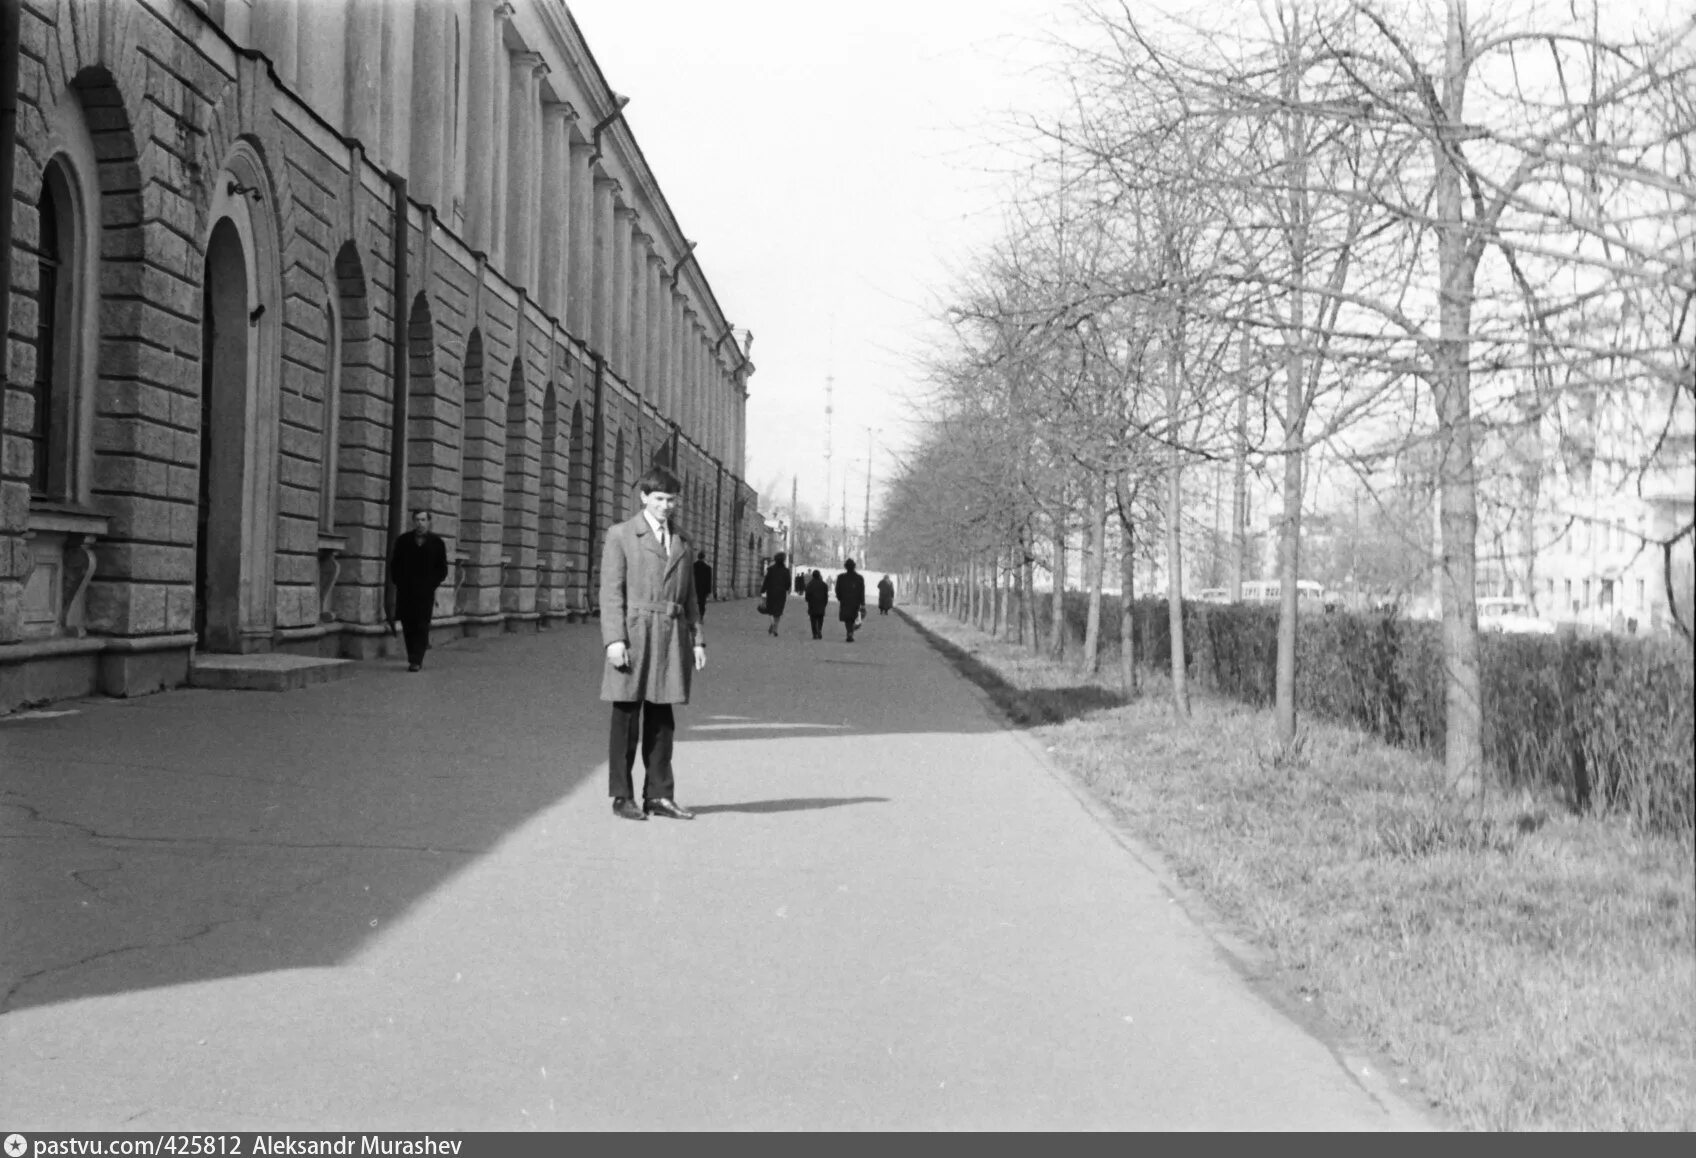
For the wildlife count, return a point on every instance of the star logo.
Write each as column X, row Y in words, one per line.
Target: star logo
column 16, row 1144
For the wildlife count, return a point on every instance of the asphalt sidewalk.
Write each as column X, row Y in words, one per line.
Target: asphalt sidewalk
column 402, row 902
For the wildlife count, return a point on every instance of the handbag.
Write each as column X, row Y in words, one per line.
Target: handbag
column 762, row 604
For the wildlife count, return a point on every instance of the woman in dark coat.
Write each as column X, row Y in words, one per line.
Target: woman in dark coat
column 776, row 590
column 885, row 595
column 851, row 596
column 818, row 602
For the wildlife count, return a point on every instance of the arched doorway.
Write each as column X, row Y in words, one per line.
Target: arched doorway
column 223, row 425
column 235, row 578
column 551, row 500
column 577, row 513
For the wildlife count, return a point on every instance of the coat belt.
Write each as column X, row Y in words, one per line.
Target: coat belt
column 669, row 610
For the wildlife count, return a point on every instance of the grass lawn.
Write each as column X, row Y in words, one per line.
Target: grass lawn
column 1528, row 969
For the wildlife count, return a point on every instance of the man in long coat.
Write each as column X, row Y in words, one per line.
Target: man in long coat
column 417, row 567
column 703, row 582
column 850, row 596
column 775, row 587
column 649, row 625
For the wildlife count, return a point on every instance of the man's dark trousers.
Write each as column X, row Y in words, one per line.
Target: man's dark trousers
column 654, row 729
column 415, row 628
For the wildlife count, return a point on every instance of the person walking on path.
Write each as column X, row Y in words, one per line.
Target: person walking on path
column 885, row 595
column 703, row 582
column 417, row 566
column 776, row 590
column 818, row 601
column 650, row 622
column 850, row 597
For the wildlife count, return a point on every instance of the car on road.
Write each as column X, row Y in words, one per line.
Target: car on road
column 1511, row 615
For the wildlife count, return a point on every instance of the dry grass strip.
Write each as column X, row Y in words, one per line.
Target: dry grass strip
column 1529, row 969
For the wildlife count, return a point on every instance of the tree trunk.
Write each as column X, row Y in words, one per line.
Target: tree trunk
column 1027, row 601
column 1175, row 584
column 1003, row 599
column 1295, row 403
column 1097, row 573
column 1457, row 265
column 1239, row 497
column 1057, row 629
column 1127, row 614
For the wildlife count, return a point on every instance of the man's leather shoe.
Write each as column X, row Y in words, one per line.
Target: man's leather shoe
column 664, row 807
column 626, row 807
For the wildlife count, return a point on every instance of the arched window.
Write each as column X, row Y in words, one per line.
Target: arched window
column 52, row 428
column 330, row 438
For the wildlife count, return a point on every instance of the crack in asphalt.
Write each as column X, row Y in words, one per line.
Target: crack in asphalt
column 215, row 843
column 252, row 910
column 58, row 765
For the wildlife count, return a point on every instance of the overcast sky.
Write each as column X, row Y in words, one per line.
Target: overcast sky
column 836, row 164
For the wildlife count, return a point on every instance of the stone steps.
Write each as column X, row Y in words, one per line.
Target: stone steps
column 267, row 672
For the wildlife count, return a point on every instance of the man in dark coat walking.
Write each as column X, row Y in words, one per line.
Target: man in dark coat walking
column 649, row 625
column 850, row 596
column 818, row 602
column 417, row 566
column 775, row 588
column 703, row 582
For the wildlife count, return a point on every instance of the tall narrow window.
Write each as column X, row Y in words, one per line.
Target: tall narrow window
column 331, row 441
column 52, row 429
column 48, row 260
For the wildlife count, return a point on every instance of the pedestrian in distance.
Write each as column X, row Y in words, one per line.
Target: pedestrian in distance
column 800, row 582
column 417, row 566
column 818, row 602
column 703, row 582
column 885, row 595
column 850, row 597
column 775, row 589
column 650, row 625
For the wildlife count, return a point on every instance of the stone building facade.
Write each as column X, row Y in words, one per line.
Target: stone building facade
column 280, row 271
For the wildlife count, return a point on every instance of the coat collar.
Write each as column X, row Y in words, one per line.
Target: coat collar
column 645, row 532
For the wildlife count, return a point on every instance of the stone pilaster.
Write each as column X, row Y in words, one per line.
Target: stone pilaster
column 484, row 102
column 659, row 322
column 524, row 113
column 580, row 250
column 600, row 293
column 554, row 243
column 641, row 248
column 500, row 190
column 431, row 105
column 618, row 349
column 364, row 113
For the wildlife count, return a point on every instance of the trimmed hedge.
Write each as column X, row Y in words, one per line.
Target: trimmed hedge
column 1609, row 720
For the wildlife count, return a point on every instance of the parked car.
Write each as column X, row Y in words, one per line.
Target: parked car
column 1214, row 595
column 1511, row 615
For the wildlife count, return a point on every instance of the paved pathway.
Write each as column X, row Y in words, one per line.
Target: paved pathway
column 401, row 902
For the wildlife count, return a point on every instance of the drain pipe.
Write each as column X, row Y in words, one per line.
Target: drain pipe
column 11, row 12
column 718, row 519
column 595, row 452
column 397, row 430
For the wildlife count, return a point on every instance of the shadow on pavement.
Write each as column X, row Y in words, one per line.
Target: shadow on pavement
column 200, row 834
column 1025, row 708
column 195, row 835
column 804, row 804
